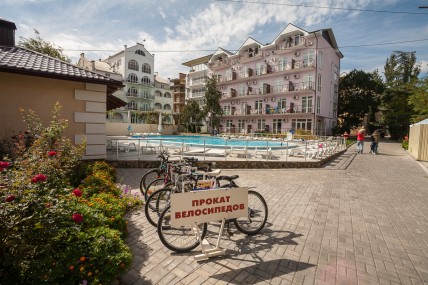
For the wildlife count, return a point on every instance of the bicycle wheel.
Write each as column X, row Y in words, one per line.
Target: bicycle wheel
column 156, row 204
column 156, row 185
column 257, row 215
column 148, row 177
column 179, row 239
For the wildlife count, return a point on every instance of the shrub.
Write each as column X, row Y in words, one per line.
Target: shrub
column 51, row 233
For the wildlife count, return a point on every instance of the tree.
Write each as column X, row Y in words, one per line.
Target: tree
column 418, row 99
column 40, row 45
column 191, row 116
column 212, row 107
column 359, row 94
column 401, row 74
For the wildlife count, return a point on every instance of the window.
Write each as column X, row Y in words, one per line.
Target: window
column 145, row 80
column 319, row 82
column 258, row 106
column 308, row 58
column 307, row 104
column 132, row 106
column 336, row 72
column 167, row 107
column 318, row 104
column 334, row 110
column 277, row 85
column 319, row 60
column 261, row 124
column 308, row 83
column 132, row 78
column 229, row 124
column 146, row 68
column 158, row 106
column 158, row 93
column 133, row 65
column 140, row 52
column 301, row 124
column 283, row 64
column 276, row 126
column 259, row 68
column 241, row 126
column 282, row 103
column 132, row 92
column 241, row 89
column 146, row 94
column 167, row 95
column 145, row 107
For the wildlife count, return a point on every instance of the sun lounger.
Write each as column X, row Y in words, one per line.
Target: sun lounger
column 196, row 151
column 239, row 152
column 216, row 152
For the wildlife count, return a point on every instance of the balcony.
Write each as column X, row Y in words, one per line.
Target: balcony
column 268, row 110
column 267, row 70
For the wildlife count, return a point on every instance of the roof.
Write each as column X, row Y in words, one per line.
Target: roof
column 23, row 61
column 161, row 79
column 423, row 122
column 200, row 60
column 28, row 62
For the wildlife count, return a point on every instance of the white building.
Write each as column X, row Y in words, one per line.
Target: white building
column 136, row 65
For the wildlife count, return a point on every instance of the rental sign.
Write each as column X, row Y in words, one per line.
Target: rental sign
column 204, row 206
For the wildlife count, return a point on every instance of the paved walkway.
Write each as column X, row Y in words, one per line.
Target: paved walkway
column 361, row 220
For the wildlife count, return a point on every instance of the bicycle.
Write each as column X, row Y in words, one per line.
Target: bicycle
column 185, row 238
column 154, row 174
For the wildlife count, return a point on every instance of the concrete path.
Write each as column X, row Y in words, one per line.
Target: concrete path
column 363, row 219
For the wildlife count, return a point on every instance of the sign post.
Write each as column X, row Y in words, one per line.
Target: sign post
column 202, row 206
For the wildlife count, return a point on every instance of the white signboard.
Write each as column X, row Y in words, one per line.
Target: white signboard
column 204, row 206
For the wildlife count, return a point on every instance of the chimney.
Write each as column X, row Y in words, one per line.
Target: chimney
column 125, row 46
column 93, row 65
column 7, row 33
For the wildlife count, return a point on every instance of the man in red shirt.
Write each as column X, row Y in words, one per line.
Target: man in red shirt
column 360, row 140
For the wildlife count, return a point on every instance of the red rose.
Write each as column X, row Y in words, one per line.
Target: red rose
column 4, row 165
column 38, row 178
column 77, row 218
column 52, row 153
column 10, row 198
column 77, row 192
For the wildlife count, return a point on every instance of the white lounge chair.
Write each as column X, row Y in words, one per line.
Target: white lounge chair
column 196, row 151
column 239, row 152
column 217, row 152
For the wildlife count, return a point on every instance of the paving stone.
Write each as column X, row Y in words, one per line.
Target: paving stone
column 364, row 222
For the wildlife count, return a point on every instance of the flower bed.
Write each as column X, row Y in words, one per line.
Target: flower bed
column 61, row 220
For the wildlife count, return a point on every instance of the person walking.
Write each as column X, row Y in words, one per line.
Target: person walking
column 376, row 136
column 360, row 140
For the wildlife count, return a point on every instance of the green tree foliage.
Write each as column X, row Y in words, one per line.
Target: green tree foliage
column 212, row 103
column 418, row 99
column 359, row 94
column 191, row 115
column 40, row 45
column 401, row 74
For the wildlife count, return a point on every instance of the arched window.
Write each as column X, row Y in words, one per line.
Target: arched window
column 133, row 65
column 147, row 68
column 140, row 52
column 158, row 93
column 132, row 92
column 167, row 107
column 158, row 106
column 145, row 80
column 132, row 78
column 167, row 95
column 132, row 105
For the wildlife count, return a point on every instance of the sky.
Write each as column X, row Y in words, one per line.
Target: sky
column 176, row 31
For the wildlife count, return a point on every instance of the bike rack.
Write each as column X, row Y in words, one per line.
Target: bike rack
column 207, row 249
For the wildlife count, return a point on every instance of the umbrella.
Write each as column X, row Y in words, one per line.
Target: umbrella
column 160, row 129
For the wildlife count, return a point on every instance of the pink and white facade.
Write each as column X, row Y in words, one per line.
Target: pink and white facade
column 289, row 84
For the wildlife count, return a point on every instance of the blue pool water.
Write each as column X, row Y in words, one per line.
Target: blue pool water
column 219, row 142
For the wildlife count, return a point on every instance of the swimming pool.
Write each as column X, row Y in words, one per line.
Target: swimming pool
column 218, row 142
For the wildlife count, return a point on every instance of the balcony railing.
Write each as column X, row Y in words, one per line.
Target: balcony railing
column 265, row 110
column 265, row 70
